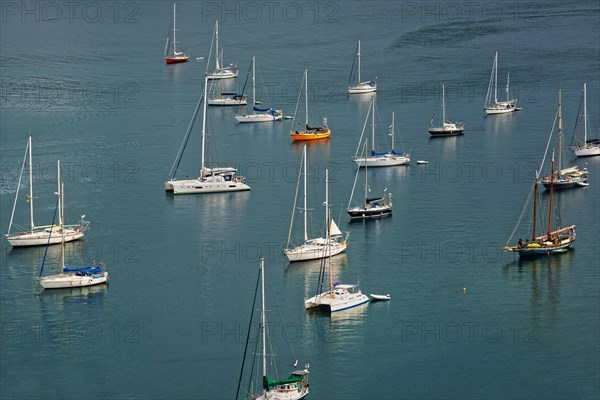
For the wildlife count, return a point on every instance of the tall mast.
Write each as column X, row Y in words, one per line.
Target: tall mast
column 305, row 210
column 443, row 104
column 358, row 54
column 560, row 132
column 372, row 128
column 306, row 95
column 507, row 85
column 551, row 195
column 496, row 78
column 253, row 84
column 203, row 128
column 174, row 38
column 328, row 250
column 61, row 209
column 263, row 320
column 584, row 115
column 366, row 177
column 31, row 185
column 217, row 62
column 535, row 190
column 393, row 126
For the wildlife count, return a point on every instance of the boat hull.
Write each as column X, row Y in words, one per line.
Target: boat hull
column 196, row 186
column 41, row 238
column 499, row 110
column 441, row 132
column 310, row 135
column 259, row 117
column 226, row 102
column 63, row 281
column 334, row 302
column 362, row 89
column 176, row 60
column 389, row 160
column 587, row 151
column 567, row 184
column 223, row 74
column 313, row 251
column 369, row 213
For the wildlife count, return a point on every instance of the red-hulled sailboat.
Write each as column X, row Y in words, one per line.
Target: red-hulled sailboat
column 172, row 56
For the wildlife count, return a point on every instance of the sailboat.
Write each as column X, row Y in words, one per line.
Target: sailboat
column 374, row 207
column 376, row 159
column 447, row 128
column 69, row 277
column 220, row 72
column 589, row 147
column 211, row 180
column 258, row 114
column 567, row 177
column 172, row 56
column 226, row 98
column 308, row 132
column 554, row 241
column 337, row 297
column 360, row 86
column 295, row 386
column 498, row 107
column 40, row 235
column 312, row 249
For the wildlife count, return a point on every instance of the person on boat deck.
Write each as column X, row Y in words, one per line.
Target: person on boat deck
column 520, row 243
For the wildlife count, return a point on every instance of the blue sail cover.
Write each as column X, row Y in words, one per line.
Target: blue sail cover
column 398, row 153
column 87, row 270
column 374, row 153
column 261, row 109
column 374, row 199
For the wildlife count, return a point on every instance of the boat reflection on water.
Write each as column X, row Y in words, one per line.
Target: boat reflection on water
column 86, row 294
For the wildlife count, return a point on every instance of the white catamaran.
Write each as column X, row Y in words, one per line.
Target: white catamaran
column 360, row 86
column 211, row 180
column 220, row 72
column 40, row 235
column 69, row 277
column 259, row 114
column 495, row 106
column 311, row 249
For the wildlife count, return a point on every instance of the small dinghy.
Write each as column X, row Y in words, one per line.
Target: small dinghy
column 380, row 297
column 583, row 184
column 422, row 162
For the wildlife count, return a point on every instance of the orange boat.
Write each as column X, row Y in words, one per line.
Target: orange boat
column 172, row 56
column 309, row 132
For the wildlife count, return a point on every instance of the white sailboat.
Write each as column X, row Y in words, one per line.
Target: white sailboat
column 45, row 234
column 259, row 114
column 375, row 159
column 69, row 277
column 211, row 180
column 172, row 56
column 374, row 207
column 360, row 86
column 337, row 297
column 295, row 386
column 311, row 249
column 495, row 106
column 447, row 128
column 225, row 98
column 589, row 147
column 220, row 72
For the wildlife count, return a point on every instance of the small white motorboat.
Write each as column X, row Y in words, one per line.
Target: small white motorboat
column 380, row 297
column 422, row 162
column 583, row 184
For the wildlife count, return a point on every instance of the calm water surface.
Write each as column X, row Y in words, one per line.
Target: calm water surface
column 172, row 322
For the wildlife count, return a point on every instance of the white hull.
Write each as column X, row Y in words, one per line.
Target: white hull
column 501, row 108
column 314, row 251
column 336, row 300
column 199, row 186
column 283, row 394
column 366, row 88
column 224, row 101
column 388, row 160
column 222, row 74
column 40, row 238
column 259, row 117
column 69, row 280
column 587, row 151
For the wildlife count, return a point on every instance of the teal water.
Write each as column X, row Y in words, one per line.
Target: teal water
column 172, row 322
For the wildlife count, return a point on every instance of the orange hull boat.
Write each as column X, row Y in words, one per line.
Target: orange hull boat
column 311, row 135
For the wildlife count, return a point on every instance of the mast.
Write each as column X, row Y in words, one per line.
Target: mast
column 496, row 78
column 263, row 320
column 366, row 175
column 31, row 185
column 358, row 54
column 393, row 126
column 372, row 130
column 328, row 250
column 306, row 95
column 203, row 128
column 174, row 38
column 560, row 133
column 304, row 192
column 217, row 62
column 584, row 115
column 551, row 195
column 507, row 85
column 61, row 211
column 253, row 84
column 443, row 105
column 535, row 191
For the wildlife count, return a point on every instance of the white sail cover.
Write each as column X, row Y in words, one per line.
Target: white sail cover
column 334, row 230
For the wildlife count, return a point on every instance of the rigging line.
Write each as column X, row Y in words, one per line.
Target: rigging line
column 18, row 186
column 295, row 199
column 177, row 161
column 247, row 336
column 294, row 122
column 525, row 206
column 280, row 317
column 49, row 236
column 212, row 42
column 363, row 130
column 352, row 72
column 244, row 89
column 579, row 116
column 547, row 145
